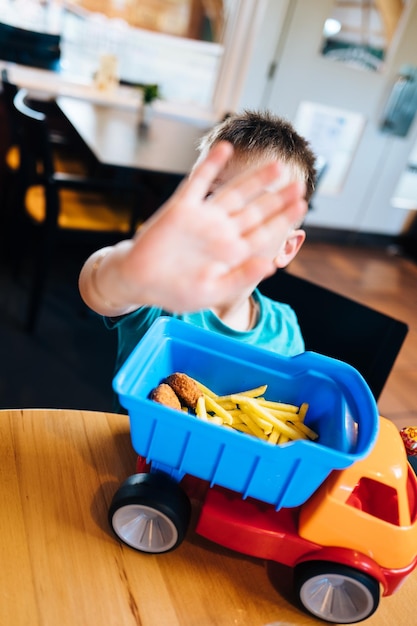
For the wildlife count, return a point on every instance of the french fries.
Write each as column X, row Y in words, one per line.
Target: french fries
column 249, row 412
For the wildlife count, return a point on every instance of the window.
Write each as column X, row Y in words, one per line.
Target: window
column 198, row 59
column 377, row 499
column 197, row 51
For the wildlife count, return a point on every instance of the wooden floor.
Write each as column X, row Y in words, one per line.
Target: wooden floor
column 386, row 281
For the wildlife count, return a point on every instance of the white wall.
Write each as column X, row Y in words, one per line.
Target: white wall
column 289, row 34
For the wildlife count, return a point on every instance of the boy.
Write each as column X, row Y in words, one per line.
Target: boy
column 200, row 257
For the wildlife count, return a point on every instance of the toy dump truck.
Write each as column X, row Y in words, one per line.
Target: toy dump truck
column 341, row 510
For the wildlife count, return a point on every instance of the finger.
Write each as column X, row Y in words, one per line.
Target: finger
column 261, row 240
column 235, row 195
column 206, row 171
column 285, row 202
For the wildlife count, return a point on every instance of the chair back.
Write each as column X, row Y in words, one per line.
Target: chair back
column 9, row 90
column 337, row 326
column 33, row 138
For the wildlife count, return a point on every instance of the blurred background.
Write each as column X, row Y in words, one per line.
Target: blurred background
column 344, row 72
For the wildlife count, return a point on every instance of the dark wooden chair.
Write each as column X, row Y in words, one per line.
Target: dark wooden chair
column 70, row 154
column 11, row 154
column 52, row 204
column 340, row 327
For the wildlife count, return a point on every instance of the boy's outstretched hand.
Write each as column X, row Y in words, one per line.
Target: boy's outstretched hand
column 199, row 250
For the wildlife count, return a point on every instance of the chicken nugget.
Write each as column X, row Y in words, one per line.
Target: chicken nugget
column 164, row 394
column 185, row 388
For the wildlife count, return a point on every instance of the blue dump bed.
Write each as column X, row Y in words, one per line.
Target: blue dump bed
column 342, row 411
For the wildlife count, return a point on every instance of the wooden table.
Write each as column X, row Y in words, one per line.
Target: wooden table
column 61, row 564
column 168, row 145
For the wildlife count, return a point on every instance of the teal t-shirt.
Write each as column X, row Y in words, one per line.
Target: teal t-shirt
column 276, row 329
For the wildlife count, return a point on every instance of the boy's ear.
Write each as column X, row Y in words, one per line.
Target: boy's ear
column 290, row 248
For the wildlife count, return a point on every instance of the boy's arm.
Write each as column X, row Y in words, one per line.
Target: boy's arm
column 100, row 285
column 196, row 251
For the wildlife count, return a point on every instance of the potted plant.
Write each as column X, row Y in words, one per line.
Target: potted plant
column 151, row 92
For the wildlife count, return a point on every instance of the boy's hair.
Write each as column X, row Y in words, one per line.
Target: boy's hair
column 254, row 134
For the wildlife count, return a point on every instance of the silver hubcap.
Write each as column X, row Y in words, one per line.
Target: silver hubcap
column 144, row 528
column 337, row 598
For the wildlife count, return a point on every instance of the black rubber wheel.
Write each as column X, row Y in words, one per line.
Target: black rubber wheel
column 336, row 593
column 150, row 513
